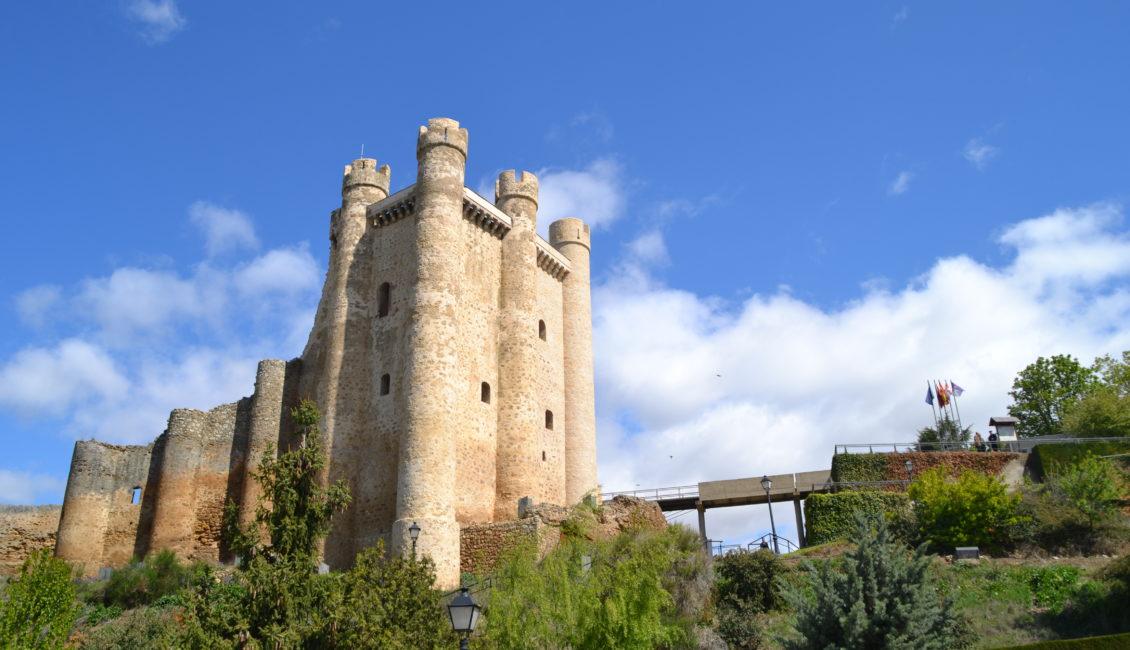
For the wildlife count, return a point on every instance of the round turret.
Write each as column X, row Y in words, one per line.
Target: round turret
column 569, row 231
column 364, row 181
column 441, row 132
column 511, row 184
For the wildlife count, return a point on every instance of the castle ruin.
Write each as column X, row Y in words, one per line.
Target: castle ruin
column 451, row 356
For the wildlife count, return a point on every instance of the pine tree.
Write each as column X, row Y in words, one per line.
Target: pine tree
column 880, row 598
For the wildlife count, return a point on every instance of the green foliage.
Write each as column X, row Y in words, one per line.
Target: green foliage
column 1094, row 486
column 1053, row 585
column 749, row 581
column 880, row 597
column 973, row 510
column 38, row 607
column 859, row 467
column 293, row 506
column 619, row 598
column 385, row 602
column 832, row 516
column 946, row 430
column 1050, row 458
column 1046, row 390
column 1111, row 642
column 140, row 583
column 747, row 584
column 1103, row 413
column 140, row 629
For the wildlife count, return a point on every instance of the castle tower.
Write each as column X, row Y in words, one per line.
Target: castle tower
column 451, row 347
column 572, row 238
column 520, row 406
column 343, row 324
column 432, row 381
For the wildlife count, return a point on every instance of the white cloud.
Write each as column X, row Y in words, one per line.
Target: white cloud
column 595, row 194
column 23, row 487
column 50, row 381
column 35, row 304
column 902, row 14
column 224, row 229
column 979, row 154
column 159, row 19
column 694, row 388
column 901, row 183
column 144, row 341
column 279, row 271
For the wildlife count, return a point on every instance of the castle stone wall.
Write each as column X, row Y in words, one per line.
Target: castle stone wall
column 550, row 382
column 23, row 531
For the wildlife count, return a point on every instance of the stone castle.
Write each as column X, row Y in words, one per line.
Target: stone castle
column 451, row 357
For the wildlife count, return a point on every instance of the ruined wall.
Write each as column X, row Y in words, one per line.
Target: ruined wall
column 24, row 530
column 99, row 522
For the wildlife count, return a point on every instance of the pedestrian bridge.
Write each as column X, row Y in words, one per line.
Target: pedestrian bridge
column 736, row 492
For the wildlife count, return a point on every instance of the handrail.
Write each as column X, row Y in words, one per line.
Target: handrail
column 767, row 539
column 657, row 494
column 834, row 486
column 960, row 446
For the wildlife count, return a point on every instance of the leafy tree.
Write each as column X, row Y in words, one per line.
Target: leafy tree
column 1044, row 392
column 276, row 597
column 881, row 597
column 973, row 510
column 1105, row 411
column 589, row 594
column 747, row 584
column 38, row 607
column 386, row 602
column 947, row 430
column 1093, row 486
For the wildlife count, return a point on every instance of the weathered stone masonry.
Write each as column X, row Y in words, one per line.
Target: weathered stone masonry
column 451, row 356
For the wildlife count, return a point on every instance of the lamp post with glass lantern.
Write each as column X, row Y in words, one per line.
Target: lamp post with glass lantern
column 766, row 484
column 464, row 613
column 414, row 532
column 909, row 469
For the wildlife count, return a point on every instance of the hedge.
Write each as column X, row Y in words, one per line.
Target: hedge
column 891, row 466
column 831, row 516
column 1046, row 456
column 1111, row 642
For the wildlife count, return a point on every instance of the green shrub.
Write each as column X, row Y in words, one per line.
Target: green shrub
column 1094, row 486
column 140, row 583
column 749, row 581
column 38, row 606
column 1049, row 458
column 140, row 629
column 879, row 596
column 1053, row 585
column 859, row 467
column 973, row 510
column 831, row 516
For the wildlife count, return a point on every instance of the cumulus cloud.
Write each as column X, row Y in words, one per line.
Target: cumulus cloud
column 978, row 153
column 159, row 19
column 694, row 388
column 24, row 487
column 595, row 194
column 142, row 341
column 901, row 183
column 51, row 380
column 224, row 229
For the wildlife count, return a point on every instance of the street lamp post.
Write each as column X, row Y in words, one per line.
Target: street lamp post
column 909, row 470
column 766, row 484
column 464, row 613
column 414, row 532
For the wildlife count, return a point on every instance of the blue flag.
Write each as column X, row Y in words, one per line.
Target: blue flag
column 957, row 390
column 929, row 395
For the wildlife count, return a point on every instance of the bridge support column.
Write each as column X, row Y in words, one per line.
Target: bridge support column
column 799, row 523
column 701, row 522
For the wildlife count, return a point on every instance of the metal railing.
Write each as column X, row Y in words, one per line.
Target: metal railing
column 1002, row 445
column 766, row 542
column 657, row 494
column 836, row 486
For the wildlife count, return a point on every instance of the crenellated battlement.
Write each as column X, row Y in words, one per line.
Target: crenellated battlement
column 511, row 184
column 441, row 132
column 364, row 171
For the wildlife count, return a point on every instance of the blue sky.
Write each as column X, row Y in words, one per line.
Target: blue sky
column 802, row 211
